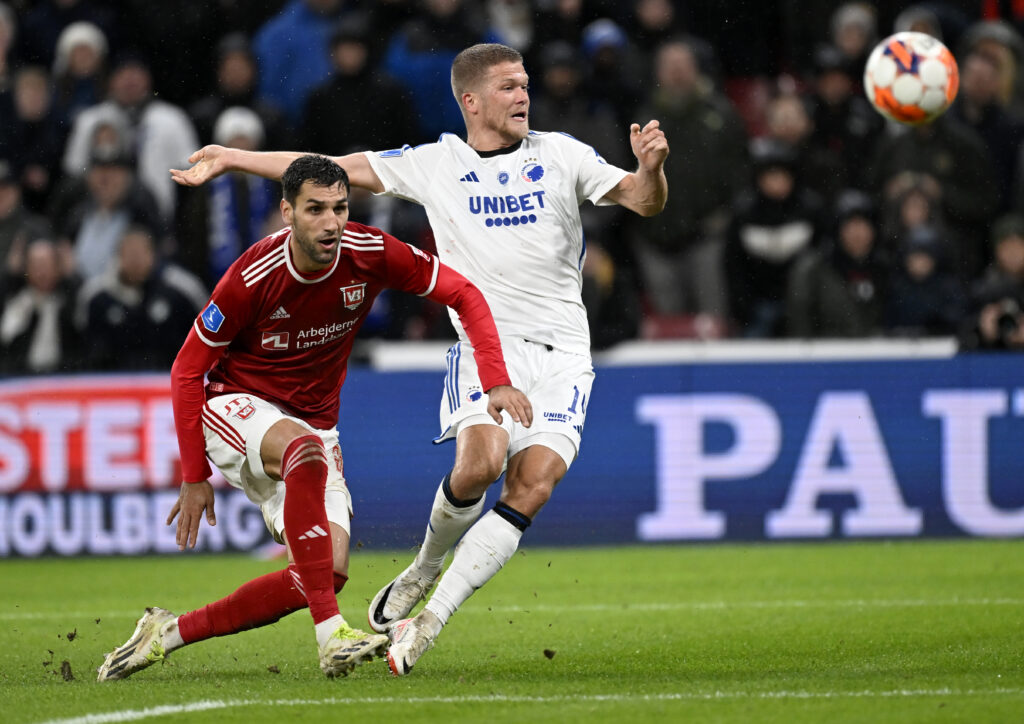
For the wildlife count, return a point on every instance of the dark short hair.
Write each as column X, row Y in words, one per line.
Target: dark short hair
column 472, row 64
column 321, row 170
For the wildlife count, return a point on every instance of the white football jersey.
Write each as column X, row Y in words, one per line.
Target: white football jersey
column 509, row 221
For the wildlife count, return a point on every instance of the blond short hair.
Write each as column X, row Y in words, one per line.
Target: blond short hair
column 472, row 64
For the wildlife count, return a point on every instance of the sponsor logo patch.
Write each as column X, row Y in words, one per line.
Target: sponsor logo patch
column 275, row 340
column 212, row 318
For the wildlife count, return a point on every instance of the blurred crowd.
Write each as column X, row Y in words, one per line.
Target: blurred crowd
column 795, row 210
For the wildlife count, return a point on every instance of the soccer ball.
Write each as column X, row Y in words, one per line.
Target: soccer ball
column 911, row 78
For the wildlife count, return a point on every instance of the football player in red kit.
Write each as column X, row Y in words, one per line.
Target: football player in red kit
column 274, row 342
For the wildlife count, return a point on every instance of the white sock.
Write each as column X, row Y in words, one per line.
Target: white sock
column 170, row 637
column 447, row 524
column 483, row 551
column 325, row 628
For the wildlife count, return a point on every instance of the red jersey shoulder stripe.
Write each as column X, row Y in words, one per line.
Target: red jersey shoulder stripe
column 270, row 260
column 362, row 242
column 363, row 235
column 259, row 270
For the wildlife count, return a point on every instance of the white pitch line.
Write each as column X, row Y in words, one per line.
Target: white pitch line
column 128, row 715
column 611, row 608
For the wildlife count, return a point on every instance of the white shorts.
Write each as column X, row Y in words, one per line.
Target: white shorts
column 558, row 384
column 234, row 426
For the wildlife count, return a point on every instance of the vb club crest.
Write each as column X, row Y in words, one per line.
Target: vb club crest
column 354, row 295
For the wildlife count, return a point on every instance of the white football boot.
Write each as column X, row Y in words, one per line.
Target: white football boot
column 412, row 638
column 144, row 648
column 394, row 602
column 347, row 648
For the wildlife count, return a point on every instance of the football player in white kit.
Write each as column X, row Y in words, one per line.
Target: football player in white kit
column 504, row 208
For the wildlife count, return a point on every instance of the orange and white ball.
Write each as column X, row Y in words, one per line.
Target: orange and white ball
column 911, row 78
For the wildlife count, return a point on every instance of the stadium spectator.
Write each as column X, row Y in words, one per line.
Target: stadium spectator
column 615, row 72
column 978, row 106
column 996, row 320
column 611, row 298
column 854, row 31
column 221, row 220
column 42, row 26
column 37, row 136
column 913, row 201
column 918, row 19
column 18, row 226
column 237, row 84
column 8, row 28
column 925, row 299
column 788, row 121
column 383, row 118
column 839, row 290
column 134, row 314
column 79, row 70
column 845, row 127
column 511, row 21
column 161, row 133
column 560, row 103
column 1001, row 42
column 774, row 221
column 292, row 53
column 8, row 36
column 191, row 24
column 420, row 56
column 559, row 20
column 37, row 333
column 679, row 252
column 110, row 202
column 656, row 22
column 952, row 160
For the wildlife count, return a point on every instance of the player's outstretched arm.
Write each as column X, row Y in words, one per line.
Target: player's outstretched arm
column 193, row 501
column 209, row 162
column 646, row 190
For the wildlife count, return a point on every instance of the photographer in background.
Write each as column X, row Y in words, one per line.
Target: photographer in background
column 997, row 301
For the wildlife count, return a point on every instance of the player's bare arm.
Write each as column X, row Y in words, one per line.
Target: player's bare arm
column 193, row 501
column 646, row 190
column 512, row 401
column 211, row 161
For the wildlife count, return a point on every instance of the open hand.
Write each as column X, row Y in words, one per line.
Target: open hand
column 208, row 162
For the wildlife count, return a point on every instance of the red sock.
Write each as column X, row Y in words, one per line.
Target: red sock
column 259, row 602
column 304, row 469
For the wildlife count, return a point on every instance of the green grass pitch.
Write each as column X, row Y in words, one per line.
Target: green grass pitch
column 922, row 631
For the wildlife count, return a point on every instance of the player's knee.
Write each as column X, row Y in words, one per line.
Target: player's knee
column 528, row 496
column 476, row 474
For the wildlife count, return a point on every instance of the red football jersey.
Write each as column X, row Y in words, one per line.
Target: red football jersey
column 285, row 336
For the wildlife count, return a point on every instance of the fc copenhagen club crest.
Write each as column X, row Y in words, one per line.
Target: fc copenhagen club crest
column 354, row 295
